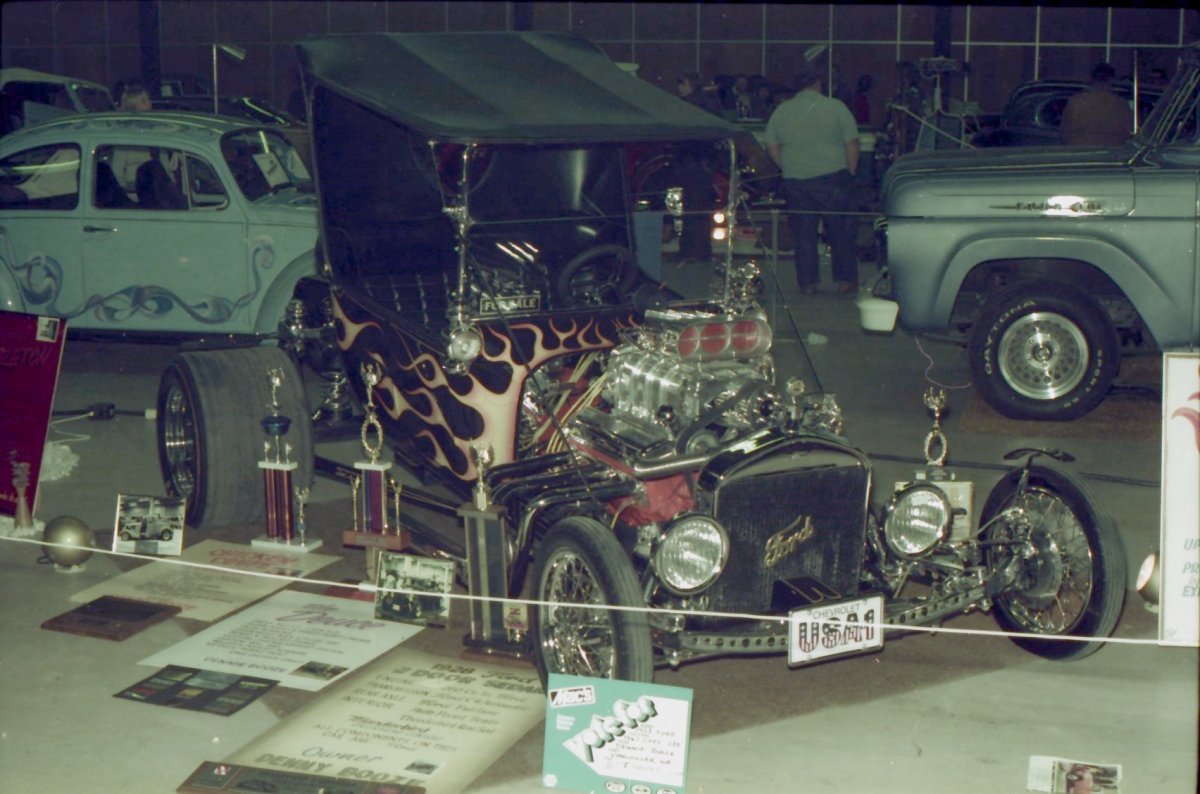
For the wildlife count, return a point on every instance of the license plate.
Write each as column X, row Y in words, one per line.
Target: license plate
column 835, row 629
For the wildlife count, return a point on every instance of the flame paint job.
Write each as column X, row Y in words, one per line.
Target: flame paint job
column 442, row 415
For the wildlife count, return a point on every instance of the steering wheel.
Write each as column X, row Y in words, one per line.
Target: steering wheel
column 600, row 276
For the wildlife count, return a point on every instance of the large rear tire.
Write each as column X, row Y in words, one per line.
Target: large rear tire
column 210, row 405
column 1043, row 350
column 581, row 565
column 1071, row 563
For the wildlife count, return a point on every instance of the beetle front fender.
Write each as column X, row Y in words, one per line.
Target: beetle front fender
column 271, row 311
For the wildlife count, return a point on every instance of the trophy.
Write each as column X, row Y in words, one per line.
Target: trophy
column 372, row 487
column 935, row 440
column 278, row 470
column 960, row 493
column 22, row 518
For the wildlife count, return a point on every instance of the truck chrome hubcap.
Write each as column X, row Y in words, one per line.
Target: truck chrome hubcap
column 1043, row 356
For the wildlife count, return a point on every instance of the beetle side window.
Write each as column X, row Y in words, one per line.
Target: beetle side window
column 139, row 177
column 205, row 190
column 46, row 177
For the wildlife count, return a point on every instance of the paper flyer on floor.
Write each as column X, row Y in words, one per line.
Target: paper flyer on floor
column 409, row 718
column 203, row 593
column 301, row 640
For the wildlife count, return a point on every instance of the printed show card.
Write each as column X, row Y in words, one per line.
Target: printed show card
column 198, row 690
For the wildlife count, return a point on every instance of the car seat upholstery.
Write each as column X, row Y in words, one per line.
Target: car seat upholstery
column 109, row 194
column 155, row 190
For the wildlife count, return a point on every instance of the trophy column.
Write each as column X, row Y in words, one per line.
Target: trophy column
column 285, row 529
column 373, row 489
column 498, row 626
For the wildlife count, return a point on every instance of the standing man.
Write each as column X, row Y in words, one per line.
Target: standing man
column 814, row 140
column 1096, row 116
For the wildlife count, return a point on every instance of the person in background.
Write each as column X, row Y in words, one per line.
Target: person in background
column 692, row 90
column 1096, row 116
column 861, row 106
column 814, row 141
column 695, row 166
column 135, row 97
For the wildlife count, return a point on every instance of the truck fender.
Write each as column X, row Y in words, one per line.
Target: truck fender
column 270, row 311
column 1153, row 300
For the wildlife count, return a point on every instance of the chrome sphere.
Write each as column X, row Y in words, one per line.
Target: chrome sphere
column 68, row 531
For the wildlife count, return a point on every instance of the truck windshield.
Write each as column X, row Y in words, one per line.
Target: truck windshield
column 1174, row 120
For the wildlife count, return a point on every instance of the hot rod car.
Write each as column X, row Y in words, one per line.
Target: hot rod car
column 638, row 449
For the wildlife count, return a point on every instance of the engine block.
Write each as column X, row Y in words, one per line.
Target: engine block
column 680, row 366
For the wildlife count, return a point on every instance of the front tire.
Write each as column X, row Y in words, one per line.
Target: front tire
column 582, row 563
column 1071, row 565
column 210, row 405
column 1043, row 351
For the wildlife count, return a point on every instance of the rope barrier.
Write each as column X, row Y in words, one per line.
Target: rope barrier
column 367, row 587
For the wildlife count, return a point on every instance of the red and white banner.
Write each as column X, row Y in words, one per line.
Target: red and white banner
column 30, row 352
column 1179, row 616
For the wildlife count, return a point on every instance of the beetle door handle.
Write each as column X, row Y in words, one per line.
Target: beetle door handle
column 99, row 229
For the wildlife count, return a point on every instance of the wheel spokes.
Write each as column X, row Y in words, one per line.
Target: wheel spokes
column 579, row 639
column 1058, row 586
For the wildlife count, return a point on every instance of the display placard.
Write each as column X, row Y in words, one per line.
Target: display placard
column 1179, row 545
column 604, row 735
column 428, row 582
column 302, row 640
column 149, row 524
column 203, row 593
column 407, row 719
column 30, row 353
column 110, row 618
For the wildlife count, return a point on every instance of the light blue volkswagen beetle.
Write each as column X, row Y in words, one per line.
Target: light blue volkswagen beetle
column 152, row 224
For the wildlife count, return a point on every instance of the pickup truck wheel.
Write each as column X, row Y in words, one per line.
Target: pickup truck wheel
column 210, row 405
column 1043, row 351
column 580, row 570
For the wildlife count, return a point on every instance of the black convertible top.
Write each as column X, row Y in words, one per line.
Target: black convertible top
column 517, row 87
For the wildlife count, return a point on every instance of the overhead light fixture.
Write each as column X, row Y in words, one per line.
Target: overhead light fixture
column 234, row 53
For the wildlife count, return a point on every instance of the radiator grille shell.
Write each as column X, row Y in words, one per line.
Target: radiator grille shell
column 763, row 499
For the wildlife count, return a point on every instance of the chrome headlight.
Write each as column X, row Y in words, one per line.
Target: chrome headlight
column 464, row 345
column 918, row 519
column 691, row 554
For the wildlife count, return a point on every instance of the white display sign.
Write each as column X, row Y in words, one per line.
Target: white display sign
column 204, row 593
column 301, row 640
column 1179, row 549
column 408, row 718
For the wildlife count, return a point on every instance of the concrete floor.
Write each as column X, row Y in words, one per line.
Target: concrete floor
column 930, row 713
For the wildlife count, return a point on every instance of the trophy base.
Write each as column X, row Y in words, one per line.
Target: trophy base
column 373, row 540
column 294, row 546
column 510, row 652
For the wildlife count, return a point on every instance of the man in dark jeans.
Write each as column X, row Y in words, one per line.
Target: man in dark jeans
column 814, row 140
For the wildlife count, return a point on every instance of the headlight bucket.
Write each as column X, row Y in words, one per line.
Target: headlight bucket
column 464, row 345
column 691, row 554
column 917, row 519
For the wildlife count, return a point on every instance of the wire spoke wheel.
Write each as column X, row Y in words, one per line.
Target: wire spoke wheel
column 1065, row 558
column 1052, row 593
column 580, row 570
column 581, row 640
